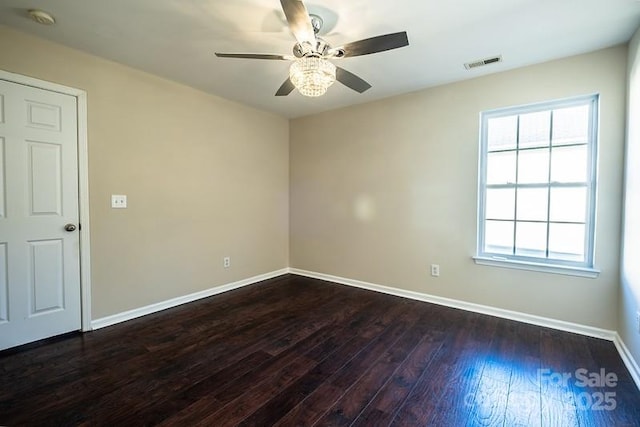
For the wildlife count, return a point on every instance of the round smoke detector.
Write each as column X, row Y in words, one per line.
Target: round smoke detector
column 41, row 17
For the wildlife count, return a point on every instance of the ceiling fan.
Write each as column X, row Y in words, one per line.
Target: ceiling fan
column 311, row 72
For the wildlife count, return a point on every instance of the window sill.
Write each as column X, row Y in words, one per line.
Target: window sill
column 591, row 273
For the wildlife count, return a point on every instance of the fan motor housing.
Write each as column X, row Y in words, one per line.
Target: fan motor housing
column 320, row 47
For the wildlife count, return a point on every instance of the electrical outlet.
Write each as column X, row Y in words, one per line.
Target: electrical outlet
column 118, row 201
column 226, row 262
column 435, row 270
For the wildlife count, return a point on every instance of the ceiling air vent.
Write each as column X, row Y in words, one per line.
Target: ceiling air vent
column 483, row 62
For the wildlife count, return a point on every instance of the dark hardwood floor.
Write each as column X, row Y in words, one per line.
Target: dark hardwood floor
column 294, row 351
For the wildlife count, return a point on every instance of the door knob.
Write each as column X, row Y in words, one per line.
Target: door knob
column 70, row 227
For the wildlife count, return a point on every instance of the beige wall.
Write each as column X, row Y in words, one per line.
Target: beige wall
column 630, row 282
column 205, row 178
column 382, row 190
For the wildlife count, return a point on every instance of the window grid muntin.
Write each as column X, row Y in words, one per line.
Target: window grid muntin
column 591, row 101
column 515, row 197
column 546, row 253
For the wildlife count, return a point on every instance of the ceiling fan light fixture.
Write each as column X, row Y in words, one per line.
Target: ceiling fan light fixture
column 312, row 75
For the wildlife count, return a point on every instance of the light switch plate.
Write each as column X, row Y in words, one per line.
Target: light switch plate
column 118, row 201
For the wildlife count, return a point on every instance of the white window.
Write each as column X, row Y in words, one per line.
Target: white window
column 537, row 186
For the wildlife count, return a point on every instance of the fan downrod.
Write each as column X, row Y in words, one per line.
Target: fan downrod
column 316, row 23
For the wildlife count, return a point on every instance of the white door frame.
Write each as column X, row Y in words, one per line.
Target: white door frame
column 83, row 182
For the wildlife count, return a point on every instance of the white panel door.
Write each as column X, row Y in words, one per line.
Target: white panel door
column 39, row 257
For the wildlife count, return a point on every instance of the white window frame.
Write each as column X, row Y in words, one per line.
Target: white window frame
column 584, row 269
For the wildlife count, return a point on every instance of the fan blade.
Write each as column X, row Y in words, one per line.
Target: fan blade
column 299, row 20
column 254, row 56
column 375, row 44
column 285, row 89
column 351, row 81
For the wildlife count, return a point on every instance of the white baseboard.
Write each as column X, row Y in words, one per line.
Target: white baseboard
column 163, row 305
column 561, row 325
column 628, row 359
column 468, row 306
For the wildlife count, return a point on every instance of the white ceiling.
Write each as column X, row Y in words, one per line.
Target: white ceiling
column 176, row 39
